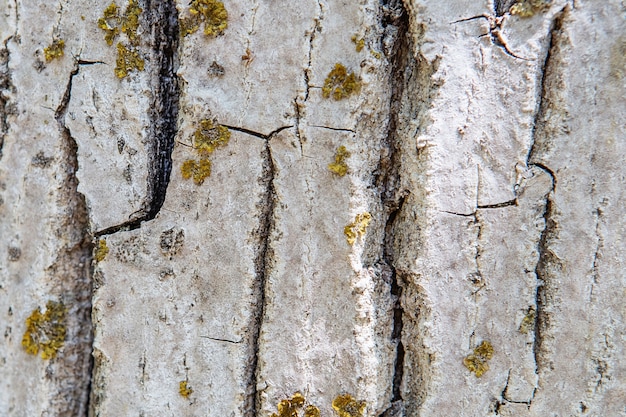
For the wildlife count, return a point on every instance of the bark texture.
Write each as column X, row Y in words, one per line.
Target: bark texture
column 354, row 208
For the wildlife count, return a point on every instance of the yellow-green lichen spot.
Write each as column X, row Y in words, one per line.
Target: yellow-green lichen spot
column 528, row 8
column 45, row 332
column 294, row 407
column 184, row 390
column 357, row 228
column 340, row 167
column 340, row 83
column 206, row 139
column 210, row 13
column 476, row 362
column 113, row 24
column 346, row 406
column 54, row 50
column 102, row 250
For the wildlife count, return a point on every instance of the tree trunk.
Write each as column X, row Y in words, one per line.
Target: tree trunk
column 312, row 208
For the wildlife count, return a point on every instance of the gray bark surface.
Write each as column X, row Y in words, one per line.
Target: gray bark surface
column 468, row 263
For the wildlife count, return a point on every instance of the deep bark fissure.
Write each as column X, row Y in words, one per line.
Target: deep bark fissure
column 5, row 89
column 75, row 261
column 388, row 180
column 162, row 18
column 546, row 258
column 262, row 265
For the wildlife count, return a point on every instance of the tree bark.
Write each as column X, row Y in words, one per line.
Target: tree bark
column 312, row 208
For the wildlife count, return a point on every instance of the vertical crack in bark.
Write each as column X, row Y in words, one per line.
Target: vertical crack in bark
column 262, row 269
column 73, row 270
column 598, row 251
column 162, row 17
column 395, row 24
column 398, row 178
column 300, row 104
column 6, row 89
column 164, row 22
column 547, row 261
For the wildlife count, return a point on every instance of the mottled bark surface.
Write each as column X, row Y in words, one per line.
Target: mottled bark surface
column 392, row 208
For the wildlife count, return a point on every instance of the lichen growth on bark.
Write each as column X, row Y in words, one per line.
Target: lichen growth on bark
column 293, row 406
column 184, row 390
column 528, row 8
column 127, row 60
column 211, row 13
column 476, row 362
column 357, row 228
column 206, row 139
column 112, row 23
column 54, row 50
column 346, row 406
column 340, row 167
column 528, row 322
column 102, row 250
column 45, row 332
column 340, row 84
column 109, row 22
column 210, row 136
column 198, row 170
column 359, row 42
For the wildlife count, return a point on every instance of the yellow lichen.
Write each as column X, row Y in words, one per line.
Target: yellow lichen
column 211, row 13
column 528, row 322
column 109, row 22
column 376, row 54
column 340, row 167
column 102, row 250
column 340, row 84
column 184, row 390
column 311, row 411
column 45, row 332
column 528, row 8
column 206, row 139
column 127, row 60
column 346, row 406
column 476, row 362
column 357, row 228
column 210, row 136
column 55, row 50
column 358, row 42
column 113, row 23
column 290, row 407
column 130, row 21
column 198, row 170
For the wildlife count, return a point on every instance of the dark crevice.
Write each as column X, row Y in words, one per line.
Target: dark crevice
column 6, row 89
column 217, row 339
column 395, row 22
column 398, row 310
column 498, row 205
column 547, row 261
column 257, row 134
column 473, row 214
column 495, row 33
column 336, row 129
column 542, row 273
column 263, row 266
column 540, row 114
column 75, row 261
column 162, row 17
